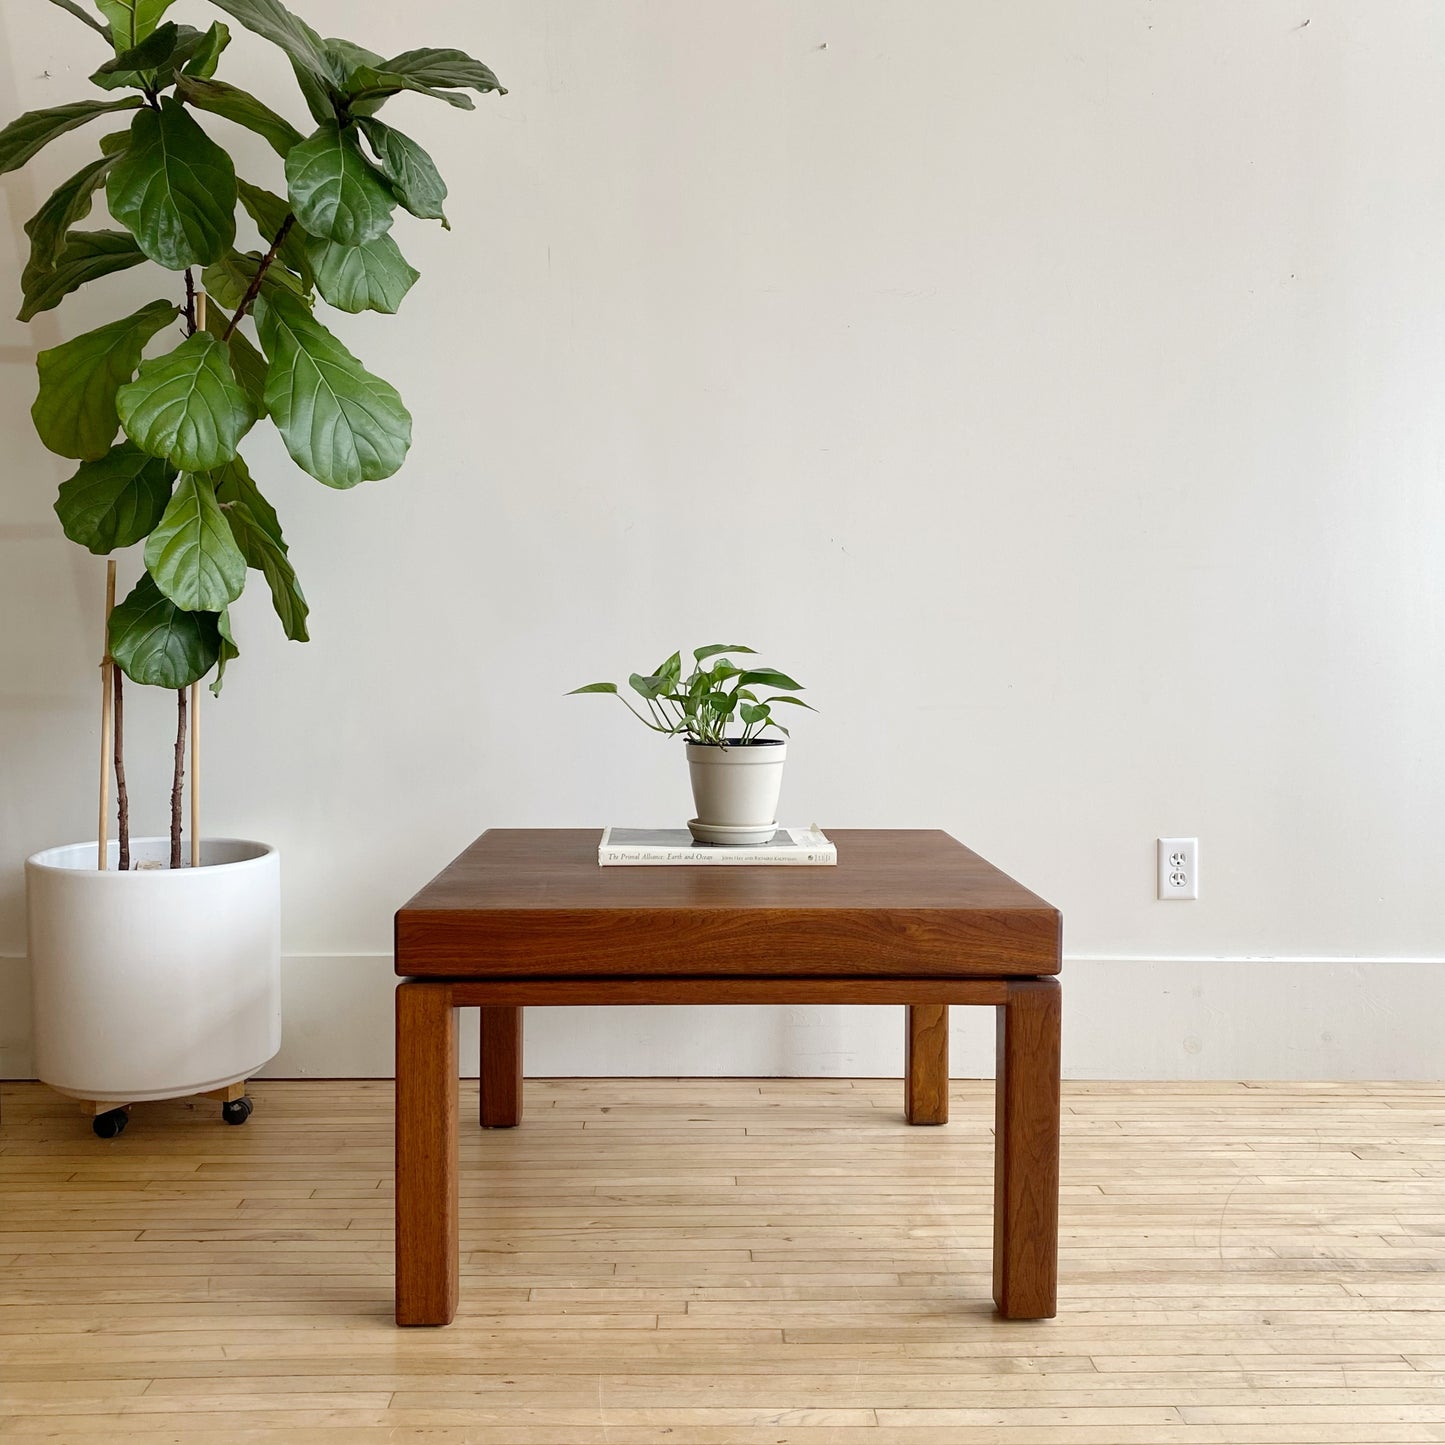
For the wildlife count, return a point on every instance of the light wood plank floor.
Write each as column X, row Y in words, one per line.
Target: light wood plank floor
column 761, row 1262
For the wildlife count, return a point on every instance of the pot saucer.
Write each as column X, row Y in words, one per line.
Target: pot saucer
column 731, row 834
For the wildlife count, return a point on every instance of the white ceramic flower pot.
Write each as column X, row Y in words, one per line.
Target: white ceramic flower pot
column 735, row 790
column 154, row 983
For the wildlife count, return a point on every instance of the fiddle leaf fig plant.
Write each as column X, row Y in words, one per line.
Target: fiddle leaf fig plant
column 157, row 430
column 158, row 439
column 715, row 694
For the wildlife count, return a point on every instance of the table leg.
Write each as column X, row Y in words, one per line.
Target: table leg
column 1026, row 1151
column 500, row 1085
column 426, row 1154
column 926, row 1064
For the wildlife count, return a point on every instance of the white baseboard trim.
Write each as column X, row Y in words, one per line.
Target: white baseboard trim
column 1124, row 1018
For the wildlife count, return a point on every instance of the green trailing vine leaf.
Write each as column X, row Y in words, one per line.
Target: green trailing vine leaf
column 174, row 189
column 157, row 644
column 86, row 255
column 340, row 424
column 187, row 407
column 192, row 554
column 370, row 277
column 702, row 704
column 33, row 131
column 74, row 411
column 232, row 103
column 334, row 192
column 116, row 500
column 409, row 170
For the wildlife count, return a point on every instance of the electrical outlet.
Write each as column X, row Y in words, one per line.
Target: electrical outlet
column 1178, row 868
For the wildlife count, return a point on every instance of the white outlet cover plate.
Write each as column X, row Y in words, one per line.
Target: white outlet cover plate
column 1178, row 868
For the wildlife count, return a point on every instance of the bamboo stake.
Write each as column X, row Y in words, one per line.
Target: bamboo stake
column 195, row 775
column 196, row 693
column 107, row 725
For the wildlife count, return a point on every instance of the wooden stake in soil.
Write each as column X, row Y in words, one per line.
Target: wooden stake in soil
column 196, row 693
column 107, row 720
column 122, row 799
column 178, row 777
column 196, row 774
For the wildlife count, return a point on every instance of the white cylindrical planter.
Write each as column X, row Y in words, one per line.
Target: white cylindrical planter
column 156, row 982
column 735, row 790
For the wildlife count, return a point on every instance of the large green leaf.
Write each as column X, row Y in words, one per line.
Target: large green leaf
column 257, row 530
column 441, row 74
column 174, row 189
column 140, row 62
column 317, row 94
column 340, row 423
column 74, row 412
column 233, row 483
column 347, row 55
column 33, row 131
column 247, row 364
column 370, row 277
column 269, row 212
column 232, row 103
column 271, row 19
column 409, row 170
column 153, row 64
column 230, row 278
column 267, row 554
column 132, row 20
column 68, row 205
column 201, row 63
column 229, row 651
column 115, row 501
column 87, row 254
column 191, row 554
column 334, row 191
column 157, row 644
column 453, row 68
column 188, row 407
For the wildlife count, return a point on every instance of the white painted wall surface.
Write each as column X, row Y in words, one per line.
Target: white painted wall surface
column 1055, row 388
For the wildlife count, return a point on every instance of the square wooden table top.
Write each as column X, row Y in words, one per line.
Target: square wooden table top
column 533, row 903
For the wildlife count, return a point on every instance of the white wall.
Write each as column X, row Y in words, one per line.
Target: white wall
column 1055, row 388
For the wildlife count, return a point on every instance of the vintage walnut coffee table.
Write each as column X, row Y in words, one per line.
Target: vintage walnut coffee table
column 526, row 917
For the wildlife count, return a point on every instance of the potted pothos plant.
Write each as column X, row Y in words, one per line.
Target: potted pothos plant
column 153, row 979
column 723, row 711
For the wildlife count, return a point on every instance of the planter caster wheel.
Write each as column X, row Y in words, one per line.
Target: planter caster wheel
column 237, row 1111
column 111, row 1123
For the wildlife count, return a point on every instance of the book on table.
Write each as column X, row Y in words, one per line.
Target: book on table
column 634, row 847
